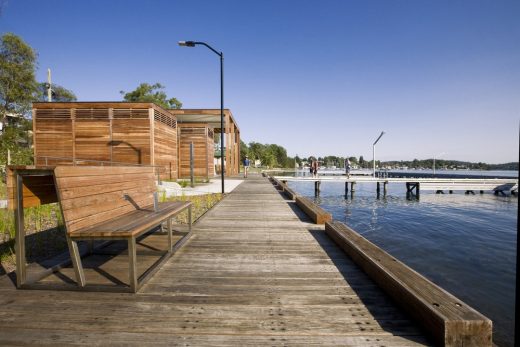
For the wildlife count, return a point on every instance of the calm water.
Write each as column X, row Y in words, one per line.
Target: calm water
column 464, row 243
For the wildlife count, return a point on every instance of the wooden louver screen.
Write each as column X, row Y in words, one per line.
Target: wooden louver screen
column 165, row 119
column 52, row 113
column 137, row 113
column 92, row 113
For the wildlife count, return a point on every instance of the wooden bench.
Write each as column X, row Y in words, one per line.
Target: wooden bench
column 113, row 203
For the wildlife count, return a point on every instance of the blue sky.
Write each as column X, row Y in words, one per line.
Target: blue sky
column 317, row 77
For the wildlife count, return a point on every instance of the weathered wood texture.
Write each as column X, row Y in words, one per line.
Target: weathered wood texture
column 95, row 132
column 316, row 213
column 112, row 203
column 92, row 195
column 256, row 272
column 291, row 194
column 203, row 150
column 448, row 320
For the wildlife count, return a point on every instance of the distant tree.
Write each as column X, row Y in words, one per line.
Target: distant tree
column 280, row 155
column 243, row 151
column 18, row 85
column 256, row 151
column 17, row 141
column 151, row 93
column 59, row 93
column 361, row 161
column 269, row 157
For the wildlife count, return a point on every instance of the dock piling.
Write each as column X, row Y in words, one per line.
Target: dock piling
column 317, row 188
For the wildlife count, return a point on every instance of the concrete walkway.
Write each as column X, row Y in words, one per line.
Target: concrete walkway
column 214, row 186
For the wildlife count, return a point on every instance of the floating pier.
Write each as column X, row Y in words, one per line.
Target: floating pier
column 413, row 186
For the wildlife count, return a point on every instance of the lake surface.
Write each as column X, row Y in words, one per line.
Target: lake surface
column 464, row 243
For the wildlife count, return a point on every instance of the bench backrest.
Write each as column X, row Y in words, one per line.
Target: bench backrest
column 92, row 195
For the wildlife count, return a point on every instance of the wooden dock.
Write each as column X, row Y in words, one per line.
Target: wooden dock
column 415, row 185
column 256, row 272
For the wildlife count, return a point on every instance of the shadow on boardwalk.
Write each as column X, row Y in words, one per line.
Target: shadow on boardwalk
column 256, row 272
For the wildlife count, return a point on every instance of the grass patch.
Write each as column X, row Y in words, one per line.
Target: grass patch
column 201, row 204
column 3, row 190
column 45, row 231
column 45, row 234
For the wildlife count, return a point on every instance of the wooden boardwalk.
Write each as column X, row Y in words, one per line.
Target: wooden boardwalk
column 256, row 272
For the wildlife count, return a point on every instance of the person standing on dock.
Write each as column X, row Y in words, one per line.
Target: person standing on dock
column 347, row 167
column 246, row 166
column 314, row 167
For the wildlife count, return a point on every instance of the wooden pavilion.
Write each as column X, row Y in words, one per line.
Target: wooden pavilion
column 210, row 118
column 105, row 133
column 113, row 133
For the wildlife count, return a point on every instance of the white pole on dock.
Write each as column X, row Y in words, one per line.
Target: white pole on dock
column 374, row 154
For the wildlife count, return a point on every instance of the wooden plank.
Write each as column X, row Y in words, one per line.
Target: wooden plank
column 198, row 135
column 242, row 280
column 450, row 321
column 316, row 213
column 74, row 171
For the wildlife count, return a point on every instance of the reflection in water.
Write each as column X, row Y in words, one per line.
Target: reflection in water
column 464, row 243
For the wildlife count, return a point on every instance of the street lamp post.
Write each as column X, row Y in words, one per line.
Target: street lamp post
column 221, row 55
column 374, row 154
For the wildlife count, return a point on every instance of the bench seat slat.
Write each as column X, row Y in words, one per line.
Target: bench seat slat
column 133, row 223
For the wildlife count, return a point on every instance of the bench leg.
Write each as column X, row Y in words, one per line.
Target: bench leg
column 132, row 254
column 170, row 236
column 76, row 261
column 189, row 218
column 21, row 272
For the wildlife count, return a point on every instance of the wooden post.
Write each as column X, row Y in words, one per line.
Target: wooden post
column 346, row 188
column 132, row 255
column 317, row 188
column 192, row 179
column 20, row 232
column 385, row 188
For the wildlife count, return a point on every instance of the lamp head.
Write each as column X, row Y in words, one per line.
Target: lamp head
column 187, row 43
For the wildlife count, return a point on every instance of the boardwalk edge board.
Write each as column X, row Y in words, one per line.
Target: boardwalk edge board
column 315, row 212
column 448, row 320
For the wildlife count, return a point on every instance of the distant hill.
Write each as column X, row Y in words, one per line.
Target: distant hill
column 450, row 164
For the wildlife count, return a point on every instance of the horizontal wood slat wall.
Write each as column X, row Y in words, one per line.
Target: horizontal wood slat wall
column 231, row 130
column 211, row 152
column 133, row 133
column 203, row 150
column 165, row 148
column 91, row 195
